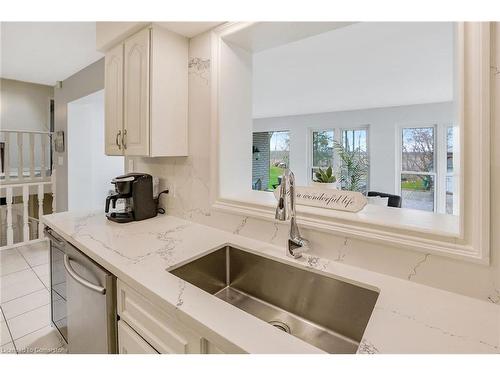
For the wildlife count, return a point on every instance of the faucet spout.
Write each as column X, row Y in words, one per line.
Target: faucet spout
column 281, row 209
column 285, row 210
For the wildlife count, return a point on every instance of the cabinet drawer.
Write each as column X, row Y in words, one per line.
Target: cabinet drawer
column 160, row 329
column 129, row 342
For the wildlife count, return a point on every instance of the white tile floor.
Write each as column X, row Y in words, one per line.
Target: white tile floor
column 25, row 302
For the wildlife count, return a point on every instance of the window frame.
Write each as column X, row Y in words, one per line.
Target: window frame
column 440, row 172
column 455, row 173
column 310, row 150
column 466, row 237
column 338, row 132
column 365, row 127
column 399, row 160
column 269, row 146
column 289, row 148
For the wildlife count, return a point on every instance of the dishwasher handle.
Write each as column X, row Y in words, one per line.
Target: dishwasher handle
column 51, row 235
column 96, row 288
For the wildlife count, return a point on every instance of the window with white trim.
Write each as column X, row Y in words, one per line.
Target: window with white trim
column 426, row 175
column 355, row 143
column 322, row 149
column 324, row 154
column 417, row 169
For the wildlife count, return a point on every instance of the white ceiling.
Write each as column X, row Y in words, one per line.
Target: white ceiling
column 46, row 52
column 364, row 65
column 260, row 36
column 189, row 29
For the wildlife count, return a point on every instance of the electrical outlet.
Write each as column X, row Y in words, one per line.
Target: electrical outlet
column 164, row 184
column 130, row 165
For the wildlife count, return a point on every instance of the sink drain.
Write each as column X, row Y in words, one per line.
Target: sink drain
column 280, row 325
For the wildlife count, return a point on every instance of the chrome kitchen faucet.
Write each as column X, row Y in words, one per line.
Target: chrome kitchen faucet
column 286, row 210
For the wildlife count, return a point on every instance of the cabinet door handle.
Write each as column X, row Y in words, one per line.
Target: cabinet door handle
column 124, row 139
column 118, row 139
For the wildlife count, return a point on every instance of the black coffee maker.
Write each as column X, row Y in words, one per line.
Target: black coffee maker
column 136, row 189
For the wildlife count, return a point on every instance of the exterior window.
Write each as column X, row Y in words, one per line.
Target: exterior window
column 322, row 149
column 270, row 156
column 280, row 157
column 417, row 173
column 355, row 143
column 346, row 151
column 355, row 140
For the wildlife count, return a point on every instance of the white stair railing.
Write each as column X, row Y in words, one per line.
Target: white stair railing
column 20, row 233
column 13, row 160
column 20, row 182
column 40, row 196
column 10, row 231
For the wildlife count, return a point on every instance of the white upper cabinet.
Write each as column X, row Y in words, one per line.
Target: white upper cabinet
column 113, row 98
column 136, row 95
column 146, row 95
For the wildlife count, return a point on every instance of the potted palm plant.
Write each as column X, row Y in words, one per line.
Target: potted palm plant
column 354, row 168
column 325, row 178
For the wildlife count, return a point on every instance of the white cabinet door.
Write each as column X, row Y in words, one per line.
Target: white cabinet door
column 129, row 342
column 136, row 94
column 113, row 97
column 160, row 329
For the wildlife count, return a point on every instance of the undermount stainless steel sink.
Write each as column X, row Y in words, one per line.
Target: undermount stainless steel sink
column 325, row 312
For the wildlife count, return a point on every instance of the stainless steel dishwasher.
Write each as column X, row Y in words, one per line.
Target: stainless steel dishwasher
column 83, row 299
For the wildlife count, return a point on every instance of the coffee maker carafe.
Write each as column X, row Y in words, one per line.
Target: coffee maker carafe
column 136, row 189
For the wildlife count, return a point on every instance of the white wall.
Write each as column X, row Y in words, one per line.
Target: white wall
column 364, row 65
column 24, row 105
column 235, row 119
column 89, row 169
column 83, row 83
column 382, row 124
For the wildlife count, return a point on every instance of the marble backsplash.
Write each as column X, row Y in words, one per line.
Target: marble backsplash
column 191, row 177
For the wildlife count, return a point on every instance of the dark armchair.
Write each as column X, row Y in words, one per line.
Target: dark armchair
column 394, row 200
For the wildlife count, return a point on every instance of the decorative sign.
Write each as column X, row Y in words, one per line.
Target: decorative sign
column 333, row 199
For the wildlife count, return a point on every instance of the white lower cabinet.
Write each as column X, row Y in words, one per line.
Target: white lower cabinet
column 129, row 342
column 157, row 328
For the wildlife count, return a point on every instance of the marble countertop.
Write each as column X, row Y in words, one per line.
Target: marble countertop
column 408, row 317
